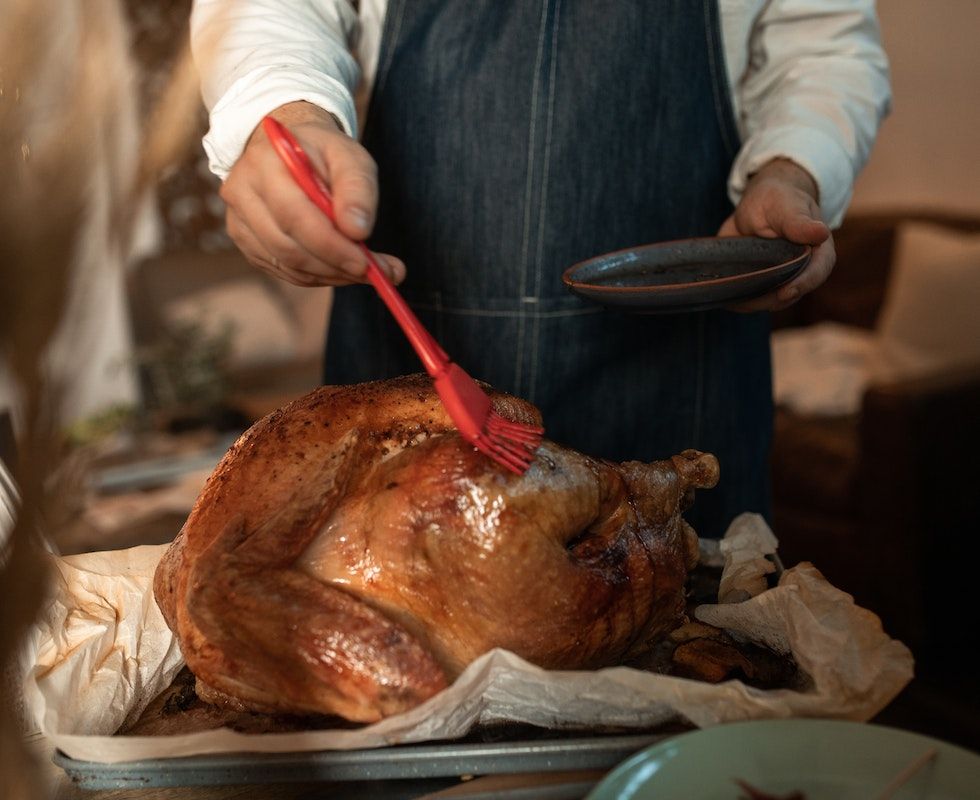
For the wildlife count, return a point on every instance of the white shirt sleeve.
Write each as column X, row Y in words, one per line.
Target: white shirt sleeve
column 256, row 55
column 814, row 90
column 809, row 77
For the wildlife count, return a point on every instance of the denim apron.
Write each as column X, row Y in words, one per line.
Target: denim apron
column 516, row 137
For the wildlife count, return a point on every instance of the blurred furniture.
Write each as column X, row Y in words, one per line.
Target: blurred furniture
column 885, row 502
column 7, row 444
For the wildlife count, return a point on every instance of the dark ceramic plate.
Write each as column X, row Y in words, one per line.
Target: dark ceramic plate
column 687, row 274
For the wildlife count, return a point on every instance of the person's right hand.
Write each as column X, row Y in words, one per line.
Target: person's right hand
column 279, row 229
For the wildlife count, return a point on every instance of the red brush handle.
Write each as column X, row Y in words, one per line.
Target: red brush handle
column 301, row 168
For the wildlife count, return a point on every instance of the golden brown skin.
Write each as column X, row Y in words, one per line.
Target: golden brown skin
column 351, row 554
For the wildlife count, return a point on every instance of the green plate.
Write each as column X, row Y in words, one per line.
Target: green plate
column 820, row 758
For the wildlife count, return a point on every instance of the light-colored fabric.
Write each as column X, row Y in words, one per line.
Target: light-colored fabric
column 100, row 650
column 823, row 369
column 88, row 363
column 930, row 320
column 9, row 501
column 809, row 78
column 929, row 323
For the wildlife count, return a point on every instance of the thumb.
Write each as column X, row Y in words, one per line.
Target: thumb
column 806, row 230
column 799, row 224
column 354, row 185
column 729, row 228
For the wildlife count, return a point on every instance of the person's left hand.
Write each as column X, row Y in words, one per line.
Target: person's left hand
column 780, row 200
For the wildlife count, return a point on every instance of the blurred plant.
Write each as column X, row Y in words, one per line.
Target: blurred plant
column 186, row 372
column 98, row 427
column 184, row 377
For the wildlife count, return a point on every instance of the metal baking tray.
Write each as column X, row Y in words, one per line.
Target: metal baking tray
column 397, row 763
column 407, row 771
column 153, row 472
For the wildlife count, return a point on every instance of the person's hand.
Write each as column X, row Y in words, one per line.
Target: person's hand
column 780, row 200
column 276, row 225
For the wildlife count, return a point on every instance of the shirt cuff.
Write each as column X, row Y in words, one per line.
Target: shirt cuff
column 252, row 96
column 818, row 153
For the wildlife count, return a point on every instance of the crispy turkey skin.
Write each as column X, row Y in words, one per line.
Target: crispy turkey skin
column 351, row 554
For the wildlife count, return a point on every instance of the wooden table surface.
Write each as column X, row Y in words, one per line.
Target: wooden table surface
column 560, row 784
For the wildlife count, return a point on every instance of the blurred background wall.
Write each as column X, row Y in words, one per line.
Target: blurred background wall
column 927, row 155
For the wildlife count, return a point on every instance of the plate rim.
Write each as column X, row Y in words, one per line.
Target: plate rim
column 623, row 769
column 574, row 285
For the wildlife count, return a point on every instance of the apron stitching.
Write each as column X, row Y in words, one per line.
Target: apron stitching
column 382, row 323
column 724, row 119
column 482, row 312
column 699, row 385
column 479, row 321
column 528, row 192
column 542, row 204
column 382, row 77
column 440, row 319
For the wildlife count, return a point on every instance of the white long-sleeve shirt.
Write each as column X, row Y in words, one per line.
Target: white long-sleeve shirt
column 809, row 78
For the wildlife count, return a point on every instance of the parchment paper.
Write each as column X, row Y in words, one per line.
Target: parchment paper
column 102, row 652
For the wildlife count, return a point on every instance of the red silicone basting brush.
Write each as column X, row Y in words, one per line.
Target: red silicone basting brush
column 511, row 444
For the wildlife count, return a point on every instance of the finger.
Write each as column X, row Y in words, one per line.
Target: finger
column 393, row 267
column 287, row 261
column 248, row 243
column 280, row 214
column 729, row 228
column 301, row 221
column 354, row 184
column 276, row 207
column 260, row 257
column 315, row 233
column 803, row 229
column 795, row 217
column 767, row 302
column 336, row 254
column 814, row 274
column 822, row 262
column 318, row 237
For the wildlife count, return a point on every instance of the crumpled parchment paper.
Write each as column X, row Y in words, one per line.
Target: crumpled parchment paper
column 746, row 544
column 102, row 651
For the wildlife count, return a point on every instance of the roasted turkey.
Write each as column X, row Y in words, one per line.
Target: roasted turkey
column 351, row 554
